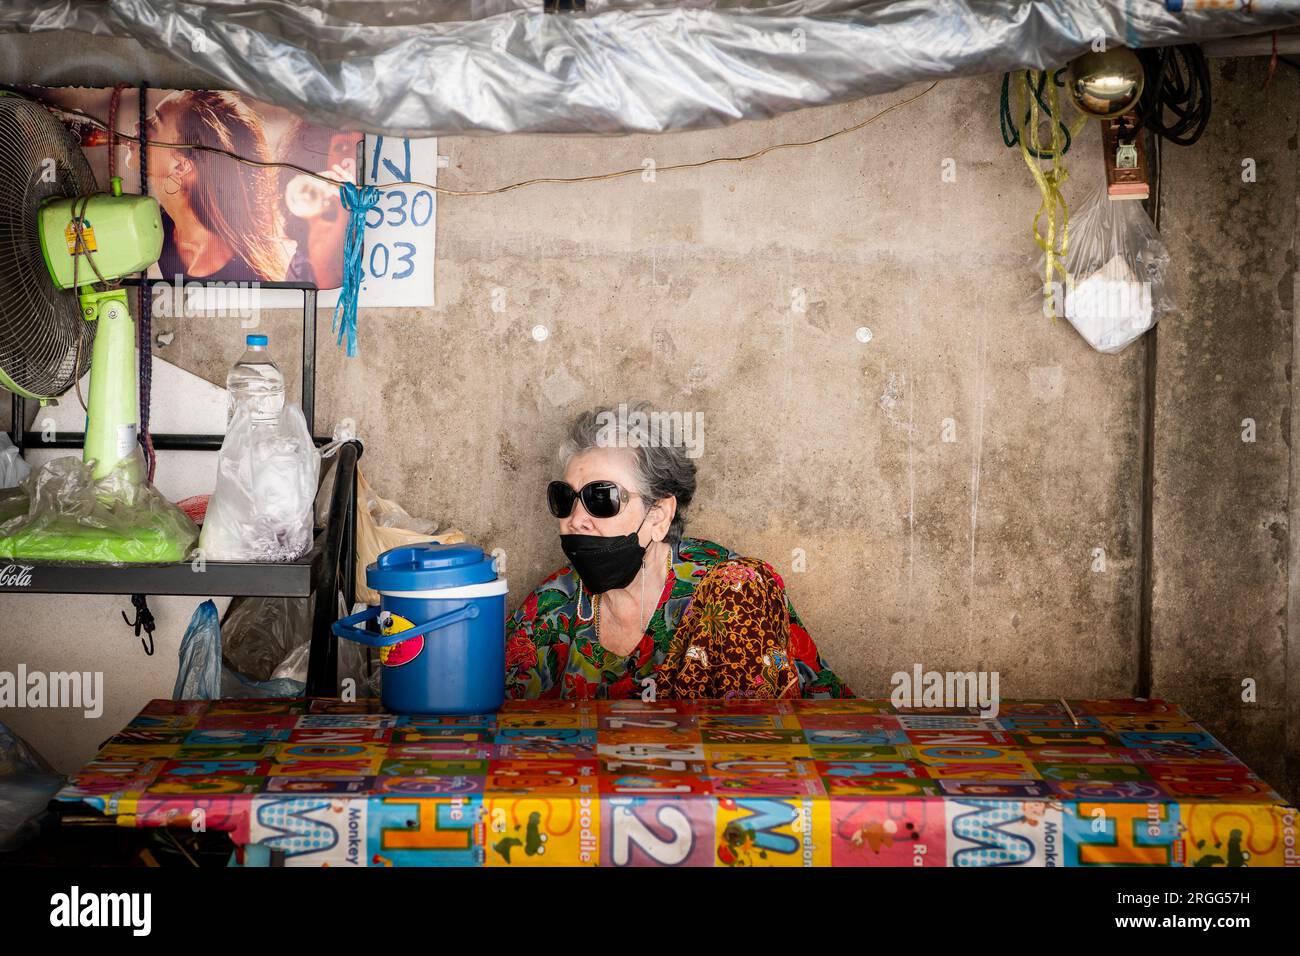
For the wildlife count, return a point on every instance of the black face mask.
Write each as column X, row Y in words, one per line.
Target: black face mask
column 605, row 563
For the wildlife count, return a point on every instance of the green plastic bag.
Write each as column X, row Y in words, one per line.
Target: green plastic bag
column 63, row 514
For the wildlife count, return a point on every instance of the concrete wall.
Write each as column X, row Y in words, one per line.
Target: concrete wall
column 1224, row 596
column 979, row 552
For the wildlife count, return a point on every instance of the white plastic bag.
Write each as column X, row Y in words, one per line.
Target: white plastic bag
column 1119, row 282
column 13, row 470
column 261, row 509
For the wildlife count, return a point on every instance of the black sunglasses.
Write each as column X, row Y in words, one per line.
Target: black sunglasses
column 602, row 499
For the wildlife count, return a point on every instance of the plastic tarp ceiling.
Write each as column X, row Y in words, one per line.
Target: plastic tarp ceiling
column 425, row 67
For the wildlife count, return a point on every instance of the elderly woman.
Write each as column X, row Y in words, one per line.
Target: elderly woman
column 641, row 611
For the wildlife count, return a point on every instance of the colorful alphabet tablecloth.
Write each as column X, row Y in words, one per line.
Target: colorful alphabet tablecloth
column 705, row 783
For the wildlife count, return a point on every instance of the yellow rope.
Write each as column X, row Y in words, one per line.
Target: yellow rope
column 1049, row 181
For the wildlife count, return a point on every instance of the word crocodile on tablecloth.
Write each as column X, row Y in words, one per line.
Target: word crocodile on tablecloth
column 705, row 783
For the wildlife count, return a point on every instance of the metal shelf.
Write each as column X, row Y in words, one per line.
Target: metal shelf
column 24, row 439
column 217, row 578
column 322, row 575
column 319, row 575
column 294, row 579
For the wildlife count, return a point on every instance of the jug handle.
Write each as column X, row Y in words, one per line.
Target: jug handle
column 345, row 627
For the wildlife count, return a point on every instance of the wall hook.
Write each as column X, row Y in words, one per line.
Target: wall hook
column 143, row 622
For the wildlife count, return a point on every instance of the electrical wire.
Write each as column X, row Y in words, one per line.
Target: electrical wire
column 442, row 190
column 171, row 836
column 114, row 101
column 598, row 177
column 144, row 316
column 1175, row 101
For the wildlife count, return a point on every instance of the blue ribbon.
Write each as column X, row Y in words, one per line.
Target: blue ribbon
column 358, row 201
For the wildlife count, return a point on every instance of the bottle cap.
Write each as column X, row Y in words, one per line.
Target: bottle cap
column 256, row 340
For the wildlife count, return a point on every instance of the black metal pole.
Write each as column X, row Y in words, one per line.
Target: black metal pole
column 1145, row 678
column 309, row 359
column 323, row 661
column 174, row 442
column 18, row 424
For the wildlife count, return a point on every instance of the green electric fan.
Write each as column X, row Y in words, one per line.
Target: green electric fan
column 63, row 245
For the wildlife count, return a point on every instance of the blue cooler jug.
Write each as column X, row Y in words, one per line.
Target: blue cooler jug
column 442, row 622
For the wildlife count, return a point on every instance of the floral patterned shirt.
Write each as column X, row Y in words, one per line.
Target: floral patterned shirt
column 723, row 627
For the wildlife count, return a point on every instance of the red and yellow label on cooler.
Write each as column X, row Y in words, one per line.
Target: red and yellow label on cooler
column 403, row 652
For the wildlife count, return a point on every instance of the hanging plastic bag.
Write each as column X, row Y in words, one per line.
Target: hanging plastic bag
column 235, row 686
column 261, row 509
column 383, row 525
column 13, row 470
column 202, row 675
column 199, row 675
column 269, row 637
column 64, row 514
column 259, row 633
column 1119, row 284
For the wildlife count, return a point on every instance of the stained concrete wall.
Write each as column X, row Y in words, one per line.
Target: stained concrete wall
column 1015, row 546
column 1224, row 598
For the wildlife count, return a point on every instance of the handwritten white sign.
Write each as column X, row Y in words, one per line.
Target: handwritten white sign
column 400, row 229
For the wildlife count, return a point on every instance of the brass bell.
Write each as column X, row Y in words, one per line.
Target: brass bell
column 1106, row 84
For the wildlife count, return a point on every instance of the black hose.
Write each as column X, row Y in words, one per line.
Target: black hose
column 1175, row 101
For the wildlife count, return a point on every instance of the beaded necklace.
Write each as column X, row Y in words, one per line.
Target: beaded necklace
column 594, row 620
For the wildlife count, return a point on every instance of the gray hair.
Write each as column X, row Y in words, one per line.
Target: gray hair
column 663, row 468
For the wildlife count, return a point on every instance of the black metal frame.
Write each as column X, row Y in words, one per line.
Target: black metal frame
column 188, row 442
column 320, row 575
column 333, row 569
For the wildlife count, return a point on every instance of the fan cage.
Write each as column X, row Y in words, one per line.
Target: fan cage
column 45, row 344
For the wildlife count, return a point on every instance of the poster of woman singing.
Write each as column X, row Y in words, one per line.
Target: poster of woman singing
column 224, row 219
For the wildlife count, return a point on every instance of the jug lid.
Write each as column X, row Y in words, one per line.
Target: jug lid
column 428, row 566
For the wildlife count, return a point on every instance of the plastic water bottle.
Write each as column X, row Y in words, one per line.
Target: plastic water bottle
column 257, row 381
